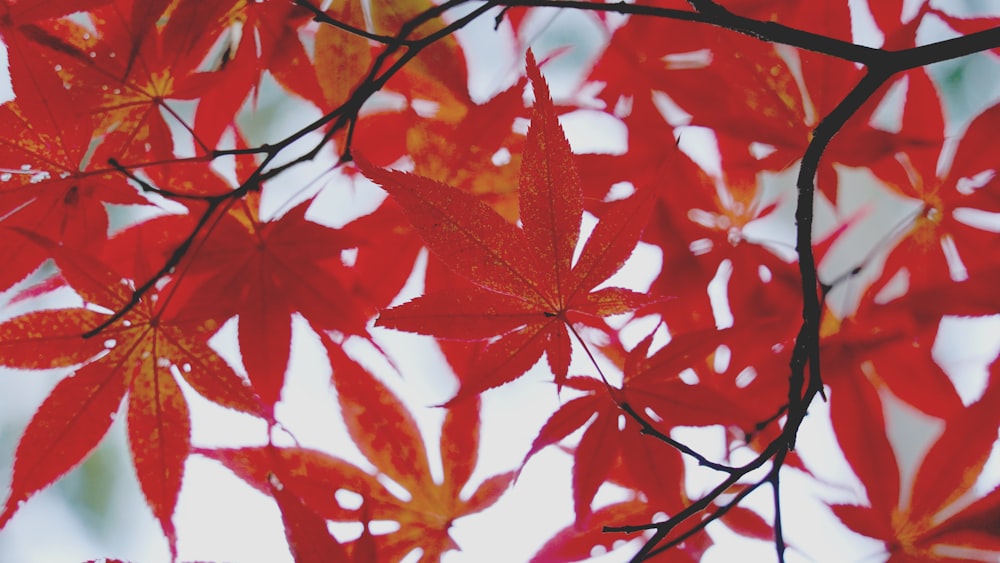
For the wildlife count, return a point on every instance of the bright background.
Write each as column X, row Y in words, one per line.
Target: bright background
column 98, row 511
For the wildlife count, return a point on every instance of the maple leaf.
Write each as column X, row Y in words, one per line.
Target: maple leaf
column 48, row 183
column 938, row 517
column 460, row 154
column 385, row 231
column 121, row 68
column 653, row 473
column 528, row 290
column 952, row 237
column 781, row 96
column 610, row 437
column 892, row 342
column 737, row 391
column 136, row 356
column 256, row 37
column 265, row 271
column 302, row 482
column 438, row 73
column 388, row 436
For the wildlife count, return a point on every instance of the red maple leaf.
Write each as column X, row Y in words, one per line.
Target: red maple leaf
column 528, row 289
column 122, row 68
column 49, row 183
column 265, row 271
column 387, row 435
column 136, row 356
column 939, row 516
column 256, row 37
column 303, row 481
column 951, row 239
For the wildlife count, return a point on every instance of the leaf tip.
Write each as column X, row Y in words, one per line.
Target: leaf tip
column 538, row 84
column 8, row 511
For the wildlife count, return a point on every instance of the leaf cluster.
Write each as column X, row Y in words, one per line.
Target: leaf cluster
column 771, row 292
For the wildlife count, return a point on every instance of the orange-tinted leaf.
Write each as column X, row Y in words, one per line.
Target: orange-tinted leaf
column 49, row 339
column 489, row 492
column 342, row 57
column 613, row 301
column 378, row 422
column 388, row 436
column 438, row 73
column 311, row 475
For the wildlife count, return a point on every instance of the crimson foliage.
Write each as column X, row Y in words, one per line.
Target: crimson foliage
column 751, row 317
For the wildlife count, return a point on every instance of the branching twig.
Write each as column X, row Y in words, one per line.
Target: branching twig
column 805, row 382
column 650, row 430
column 322, row 17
